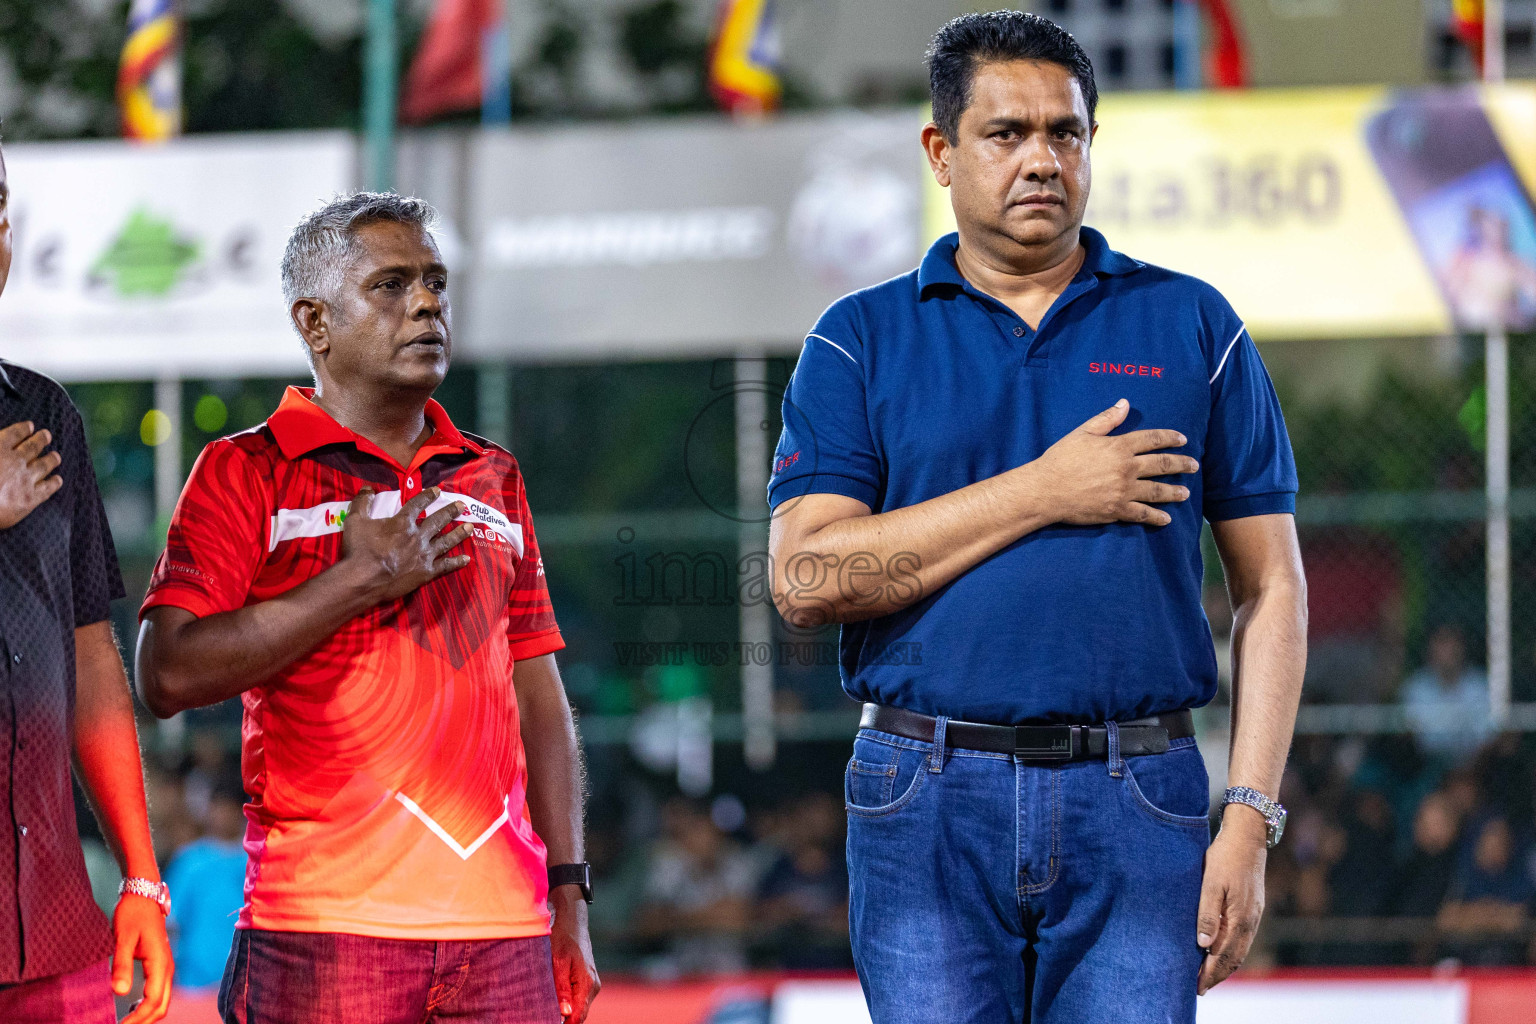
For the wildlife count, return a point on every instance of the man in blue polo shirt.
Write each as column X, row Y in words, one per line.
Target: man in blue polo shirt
column 993, row 473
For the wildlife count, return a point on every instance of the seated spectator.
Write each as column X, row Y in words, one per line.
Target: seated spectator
column 207, row 883
column 697, row 896
column 1422, row 882
column 1358, row 883
column 1489, row 898
column 1446, row 701
column 803, row 897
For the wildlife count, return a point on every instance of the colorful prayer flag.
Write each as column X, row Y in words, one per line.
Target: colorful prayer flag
column 1467, row 22
column 745, row 56
column 149, row 74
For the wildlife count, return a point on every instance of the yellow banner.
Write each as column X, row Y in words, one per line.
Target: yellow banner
column 1325, row 213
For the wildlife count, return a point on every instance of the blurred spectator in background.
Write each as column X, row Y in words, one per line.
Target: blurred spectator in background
column 1490, row 897
column 1420, row 883
column 1446, row 701
column 207, row 880
column 1358, row 879
column 1354, row 615
column 803, row 898
column 207, row 761
column 697, row 896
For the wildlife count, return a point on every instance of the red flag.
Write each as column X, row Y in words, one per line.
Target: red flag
column 1227, row 63
column 448, row 74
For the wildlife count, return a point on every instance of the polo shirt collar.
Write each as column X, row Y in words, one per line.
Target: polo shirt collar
column 939, row 267
column 5, row 381
column 300, row 426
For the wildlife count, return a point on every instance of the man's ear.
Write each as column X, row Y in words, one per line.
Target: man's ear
column 937, row 147
column 313, row 321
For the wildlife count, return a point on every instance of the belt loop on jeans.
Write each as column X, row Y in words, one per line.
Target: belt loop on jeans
column 1116, row 764
column 936, row 757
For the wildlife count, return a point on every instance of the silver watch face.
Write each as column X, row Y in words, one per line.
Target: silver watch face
column 1276, row 825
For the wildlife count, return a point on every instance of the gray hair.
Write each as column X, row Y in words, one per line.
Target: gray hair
column 324, row 244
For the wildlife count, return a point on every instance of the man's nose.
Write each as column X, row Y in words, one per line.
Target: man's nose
column 1038, row 160
column 425, row 302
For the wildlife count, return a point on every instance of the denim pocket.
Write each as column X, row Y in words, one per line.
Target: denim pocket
column 1173, row 787
column 869, row 785
column 872, row 787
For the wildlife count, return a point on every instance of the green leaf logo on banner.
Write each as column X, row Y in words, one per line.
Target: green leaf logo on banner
column 146, row 258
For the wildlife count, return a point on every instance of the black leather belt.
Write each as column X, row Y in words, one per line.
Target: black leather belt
column 1036, row 742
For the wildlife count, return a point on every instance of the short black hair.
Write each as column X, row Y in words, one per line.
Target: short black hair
column 974, row 39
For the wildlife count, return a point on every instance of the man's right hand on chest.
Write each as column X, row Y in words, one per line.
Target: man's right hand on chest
column 26, row 472
column 1091, row 478
column 395, row 555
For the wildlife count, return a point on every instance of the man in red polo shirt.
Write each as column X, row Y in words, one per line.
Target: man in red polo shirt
column 366, row 578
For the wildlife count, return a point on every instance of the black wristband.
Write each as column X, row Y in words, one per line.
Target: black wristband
column 573, row 874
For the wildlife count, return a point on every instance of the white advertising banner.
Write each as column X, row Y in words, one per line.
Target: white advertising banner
column 133, row 261
column 1410, row 1001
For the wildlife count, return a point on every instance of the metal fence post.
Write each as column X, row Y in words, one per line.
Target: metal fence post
column 1496, row 369
column 756, row 616
column 379, row 97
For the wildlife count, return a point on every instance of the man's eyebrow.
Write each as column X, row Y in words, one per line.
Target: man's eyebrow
column 407, row 270
column 1010, row 124
column 1071, row 123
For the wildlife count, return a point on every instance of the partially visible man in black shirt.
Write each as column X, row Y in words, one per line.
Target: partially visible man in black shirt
column 63, row 692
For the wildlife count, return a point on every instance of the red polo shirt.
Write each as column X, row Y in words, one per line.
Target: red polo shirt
column 386, row 768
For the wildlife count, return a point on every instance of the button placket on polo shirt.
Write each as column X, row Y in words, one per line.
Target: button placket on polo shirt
column 1076, row 289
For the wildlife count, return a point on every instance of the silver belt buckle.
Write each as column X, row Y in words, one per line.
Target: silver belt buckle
column 1044, row 742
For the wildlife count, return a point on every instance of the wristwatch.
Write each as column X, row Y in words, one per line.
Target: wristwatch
column 157, row 891
column 579, row 875
column 1274, row 814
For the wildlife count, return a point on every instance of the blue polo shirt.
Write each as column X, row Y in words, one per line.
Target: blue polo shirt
column 922, row 385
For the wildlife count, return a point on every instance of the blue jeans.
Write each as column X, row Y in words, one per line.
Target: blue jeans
column 328, row 978
column 985, row 889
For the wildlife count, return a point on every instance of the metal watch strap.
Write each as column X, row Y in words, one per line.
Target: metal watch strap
column 157, row 891
column 579, row 875
column 1274, row 814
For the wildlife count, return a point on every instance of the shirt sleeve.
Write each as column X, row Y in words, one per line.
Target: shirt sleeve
column 1248, row 466
column 827, row 446
column 218, row 536
column 94, row 574
column 531, row 627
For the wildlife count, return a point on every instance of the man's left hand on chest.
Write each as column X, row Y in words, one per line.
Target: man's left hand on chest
column 1232, row 895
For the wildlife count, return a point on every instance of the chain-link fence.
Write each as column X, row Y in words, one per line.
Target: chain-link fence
column 1411, row 816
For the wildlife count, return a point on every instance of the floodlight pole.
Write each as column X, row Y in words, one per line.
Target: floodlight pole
column 379, row 97
column 1496, row 386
